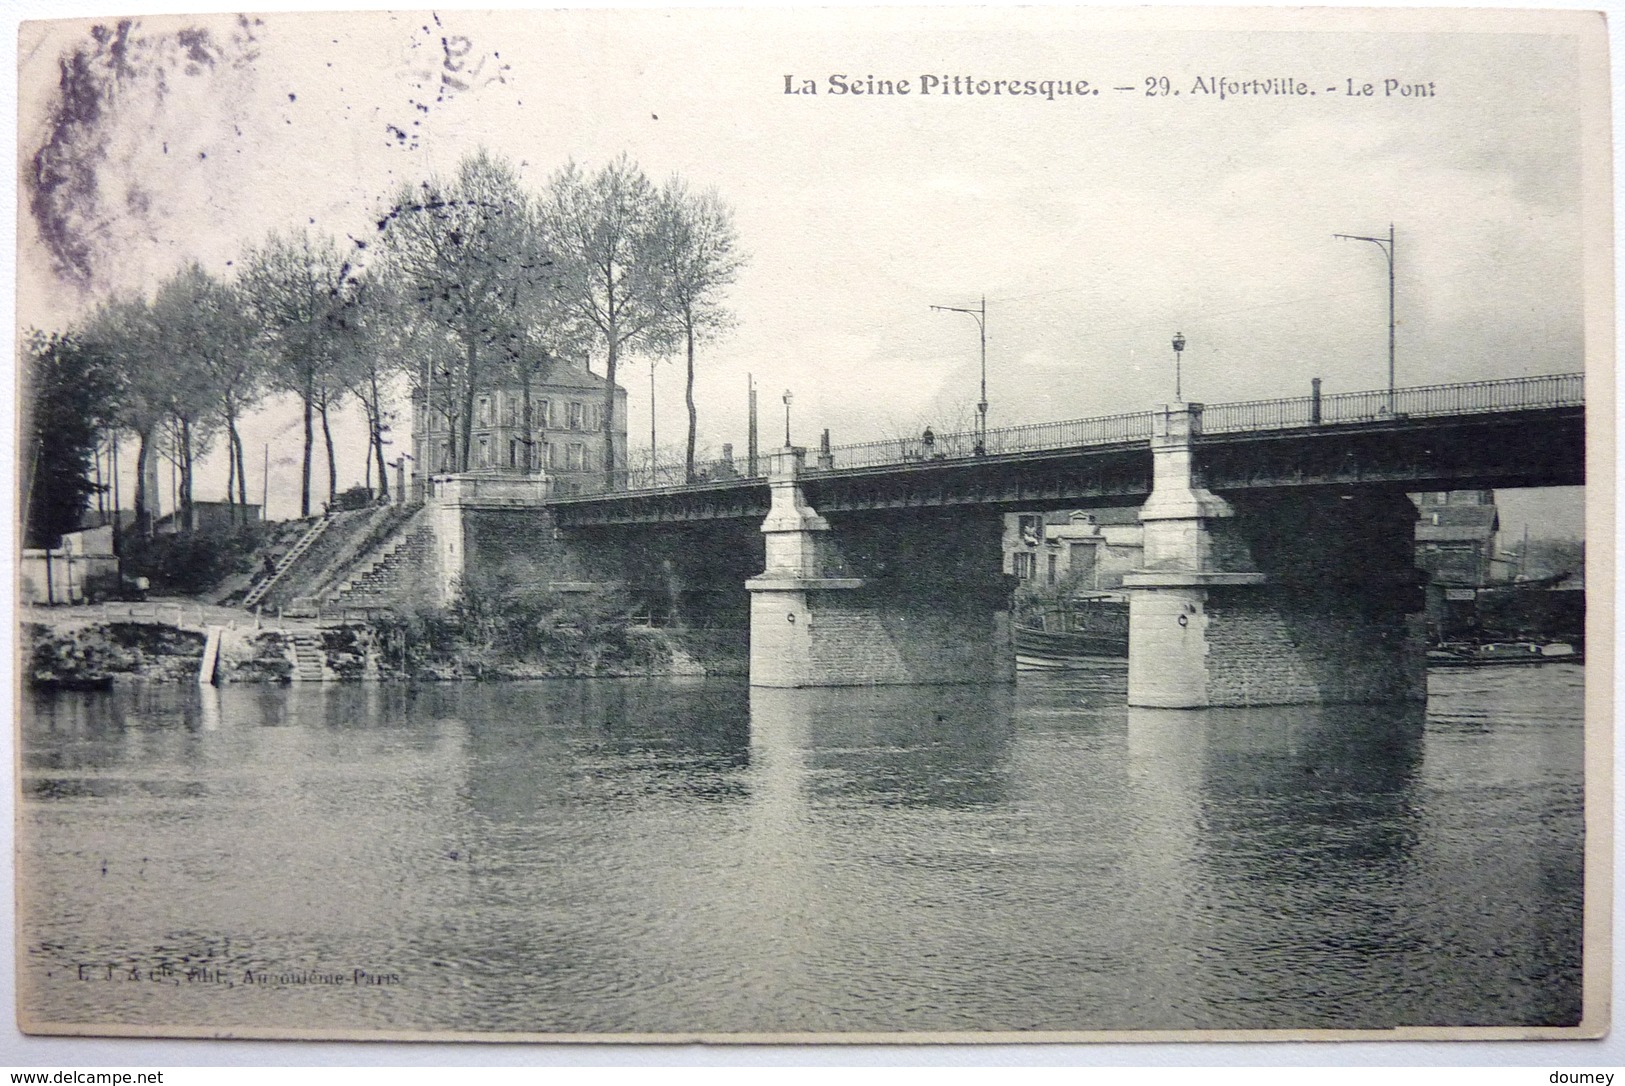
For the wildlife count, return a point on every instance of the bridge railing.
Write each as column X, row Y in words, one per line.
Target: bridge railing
column 1465, row 398
column 664, row 475
column 961, row 445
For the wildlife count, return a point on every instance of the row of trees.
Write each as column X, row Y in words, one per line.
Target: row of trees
column 468, row 282
column 492, row 284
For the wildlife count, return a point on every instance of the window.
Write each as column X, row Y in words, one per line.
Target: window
column 510, row 411
column 538, row 415
column 445, row 456
column 1051, row 571
column 483, row 416
column 1032, row 529
column 550, row 457
column 593, row 421
column 575, row 458
column 575, row 416
column 485, row 452
column 1024, row 565
column 513, row 452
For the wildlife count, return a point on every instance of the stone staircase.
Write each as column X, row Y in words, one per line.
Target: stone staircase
column 393, row 571
column 309, row 659
column 289, row 560
column 350, row 547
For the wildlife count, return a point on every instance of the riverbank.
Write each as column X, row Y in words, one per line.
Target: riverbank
column 73, row 647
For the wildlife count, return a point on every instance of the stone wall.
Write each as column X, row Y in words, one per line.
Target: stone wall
column 1280, row 646
column 866, row 639
column 905, row 597
column 516, row 545
column 689, row 574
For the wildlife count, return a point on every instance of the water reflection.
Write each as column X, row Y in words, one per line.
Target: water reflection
column 943, row 747
column 651, row 855
column 1306, row 815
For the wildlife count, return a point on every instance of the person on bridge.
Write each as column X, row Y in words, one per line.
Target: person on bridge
column 928, row 444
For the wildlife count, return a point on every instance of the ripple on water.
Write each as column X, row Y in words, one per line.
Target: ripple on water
column 644, row 856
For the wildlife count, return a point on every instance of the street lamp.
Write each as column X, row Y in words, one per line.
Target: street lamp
column 980, row 316
column 788, row 396
column 1179, row 346
column 1387, row 246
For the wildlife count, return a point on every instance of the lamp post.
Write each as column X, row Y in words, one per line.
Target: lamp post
column 1387, row 246
column 788, row 396
column 1179, row 347
column 979, row 315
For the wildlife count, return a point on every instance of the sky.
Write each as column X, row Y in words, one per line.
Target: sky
column 1096, row 225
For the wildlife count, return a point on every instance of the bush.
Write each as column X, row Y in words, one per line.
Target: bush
column 357, row 497
column 190, row 563
column 497, row 622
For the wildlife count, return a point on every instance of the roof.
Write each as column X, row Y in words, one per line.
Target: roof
column 566, row 374
column 1457, row 522
column 1102, row 517
column 1427, row 533
column 562, row 374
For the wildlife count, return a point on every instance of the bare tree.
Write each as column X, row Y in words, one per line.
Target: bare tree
column 208, row 341
column 378, row 349
column 125, row 331
column 297, row 288
column 467, row 260
column 601, row 229
column 697, row 252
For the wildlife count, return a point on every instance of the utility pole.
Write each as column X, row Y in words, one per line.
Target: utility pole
column 116, row 517
column 1387, row 246
column 750, row 449
column 979, row 315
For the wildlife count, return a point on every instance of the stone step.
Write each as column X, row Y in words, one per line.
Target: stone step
column 309, row 657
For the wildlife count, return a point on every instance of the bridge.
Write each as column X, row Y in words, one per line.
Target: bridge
column 1522, row 432
column 1278, row 538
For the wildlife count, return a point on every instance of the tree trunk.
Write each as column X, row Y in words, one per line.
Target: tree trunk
column 609, row 410
column 231, row 468
column 185, row 503
column 469, row 375
column 332, row 463
column 307, row 396
column 377, row 413
column 693, row 416
column 242, row 474
column 528, row 442
column 383, row 466
column 143, row 454
column 451, row 440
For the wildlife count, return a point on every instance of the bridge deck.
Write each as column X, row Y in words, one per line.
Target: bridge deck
column 1527, row 431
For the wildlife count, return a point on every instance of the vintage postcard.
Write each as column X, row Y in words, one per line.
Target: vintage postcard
column 947, row 524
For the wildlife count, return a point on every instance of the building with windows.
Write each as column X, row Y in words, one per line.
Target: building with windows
column 564, row 442
column 1084, row 551
column 1455, row 536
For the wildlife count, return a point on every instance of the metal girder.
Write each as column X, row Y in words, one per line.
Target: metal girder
column 1523, row 448
column 1542, row 447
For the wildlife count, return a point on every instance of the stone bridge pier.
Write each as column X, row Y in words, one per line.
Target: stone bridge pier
column 882, row 598
column 1305, row 595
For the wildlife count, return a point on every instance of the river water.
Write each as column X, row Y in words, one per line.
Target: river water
column 667, row 856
